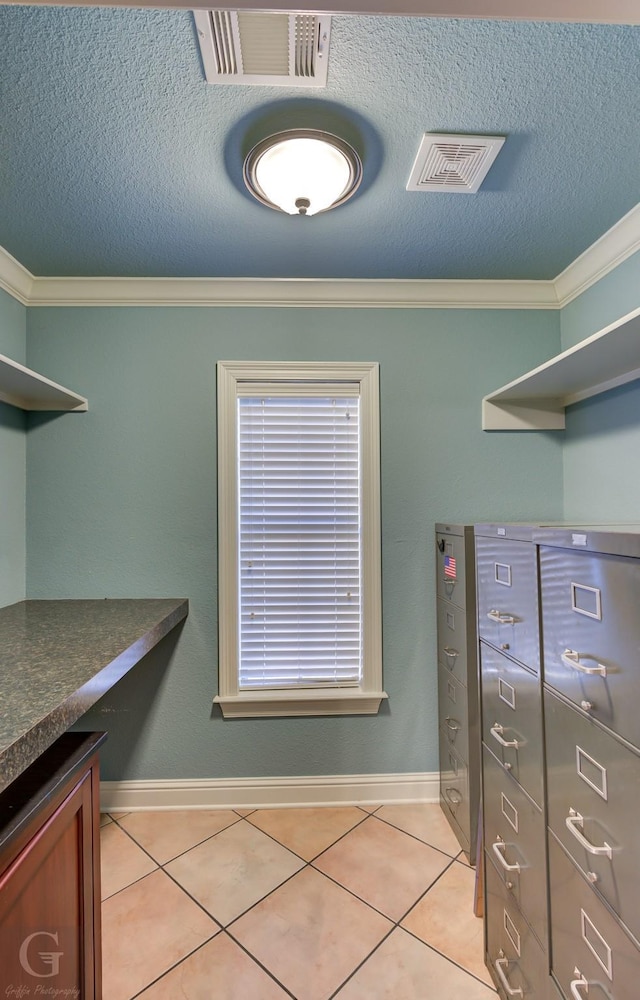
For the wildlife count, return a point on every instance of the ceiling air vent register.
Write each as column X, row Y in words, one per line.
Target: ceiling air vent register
column 453, row 163
column 258, row 48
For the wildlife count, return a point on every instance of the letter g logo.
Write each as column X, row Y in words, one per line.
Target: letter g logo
column 49, row 959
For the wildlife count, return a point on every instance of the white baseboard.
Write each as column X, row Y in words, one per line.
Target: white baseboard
column 250, row 793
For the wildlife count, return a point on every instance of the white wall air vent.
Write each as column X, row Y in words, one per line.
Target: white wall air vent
column 264, row 49
column 453, row 163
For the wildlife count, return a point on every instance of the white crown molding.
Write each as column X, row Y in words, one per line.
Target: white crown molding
column 597, row 11
column 254, row 793
column 610, row 250
column 14, row 278
column 613, row 247
column 294, row 292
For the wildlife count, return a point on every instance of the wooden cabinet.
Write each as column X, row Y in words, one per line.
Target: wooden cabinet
column 50, row 873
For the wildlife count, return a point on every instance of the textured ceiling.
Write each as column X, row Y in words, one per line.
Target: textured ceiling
column 116, row 158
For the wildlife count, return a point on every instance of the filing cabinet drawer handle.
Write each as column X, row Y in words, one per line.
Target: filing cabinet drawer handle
column 576, row 984
column 453, row 797
column 500, row 617
column 497, row 731
column 573, row 821
column 498, row 849
column 572, row 659
column 452, row 724
column 510, row 990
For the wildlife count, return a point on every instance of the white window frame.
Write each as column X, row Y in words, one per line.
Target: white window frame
column 367, row 697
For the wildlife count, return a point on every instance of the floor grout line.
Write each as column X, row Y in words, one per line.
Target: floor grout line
column 161, row 864
column 363, row 962
column 415, row 837
column 308, row 861
column 448, row 958
column 134, row 881
column 227, row 928
column 176, row 964
column 259, row 963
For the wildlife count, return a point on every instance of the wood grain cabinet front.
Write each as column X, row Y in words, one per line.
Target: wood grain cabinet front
column 50, row 875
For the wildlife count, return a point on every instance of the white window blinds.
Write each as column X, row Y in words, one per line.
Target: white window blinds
column 299, row 538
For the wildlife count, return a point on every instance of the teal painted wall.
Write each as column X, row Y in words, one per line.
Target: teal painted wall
column 602, row 439
column 122, row 502
column 13, row 332
column 615, row 295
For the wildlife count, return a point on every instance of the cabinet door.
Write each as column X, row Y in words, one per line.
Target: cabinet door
column 49, row 925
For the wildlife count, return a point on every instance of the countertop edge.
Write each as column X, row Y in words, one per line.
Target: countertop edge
column 20, row 754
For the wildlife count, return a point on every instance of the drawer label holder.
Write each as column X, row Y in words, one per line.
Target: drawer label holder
column 592, row 773
column 503, row 574
column 596, row 944
column 509, row 812
column 506, row 693
column 586, row 600
column 512, row 932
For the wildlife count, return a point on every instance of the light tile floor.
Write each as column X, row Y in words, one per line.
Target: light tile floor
column 353, row 903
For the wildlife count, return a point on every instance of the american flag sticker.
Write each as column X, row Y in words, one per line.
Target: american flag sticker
column 450, row 566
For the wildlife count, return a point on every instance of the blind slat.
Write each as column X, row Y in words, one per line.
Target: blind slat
column 299, row 541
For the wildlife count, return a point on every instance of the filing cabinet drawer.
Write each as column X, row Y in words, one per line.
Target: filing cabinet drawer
column 591, row 956
column 515, row 841
column 454, row 790
column 593, row 791
column 511, row 714
column 453, row 714
column 513, row 953
column 452, row 639
column 508, row 597
column 451, row 571
column 591, row 633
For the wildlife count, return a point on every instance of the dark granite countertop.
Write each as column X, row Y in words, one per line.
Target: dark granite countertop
column 57, row 658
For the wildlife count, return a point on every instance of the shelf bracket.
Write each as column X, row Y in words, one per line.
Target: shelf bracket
column 525, row 415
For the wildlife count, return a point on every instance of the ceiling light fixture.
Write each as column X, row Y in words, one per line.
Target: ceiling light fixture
column 302, row 171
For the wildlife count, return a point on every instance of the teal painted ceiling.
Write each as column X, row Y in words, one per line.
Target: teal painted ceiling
column 117, row 158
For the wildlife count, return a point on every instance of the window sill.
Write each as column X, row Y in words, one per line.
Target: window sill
column 273, row 704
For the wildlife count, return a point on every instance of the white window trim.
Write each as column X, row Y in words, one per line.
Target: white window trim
column 366, row 699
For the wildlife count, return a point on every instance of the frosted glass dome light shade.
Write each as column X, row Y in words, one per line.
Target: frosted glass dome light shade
column 302, row 172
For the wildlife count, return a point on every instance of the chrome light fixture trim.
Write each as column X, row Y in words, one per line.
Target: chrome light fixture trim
column 302, row 171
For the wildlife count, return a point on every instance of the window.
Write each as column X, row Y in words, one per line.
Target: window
column 299, row 539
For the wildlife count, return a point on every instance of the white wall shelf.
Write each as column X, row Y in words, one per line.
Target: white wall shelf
column 536, row 401
column 21, row 387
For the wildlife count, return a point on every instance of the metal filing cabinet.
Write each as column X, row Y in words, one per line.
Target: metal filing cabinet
column 561, row 734
column 590, row 590
column 458, row 714
column 514, row 824
column 519, row 963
